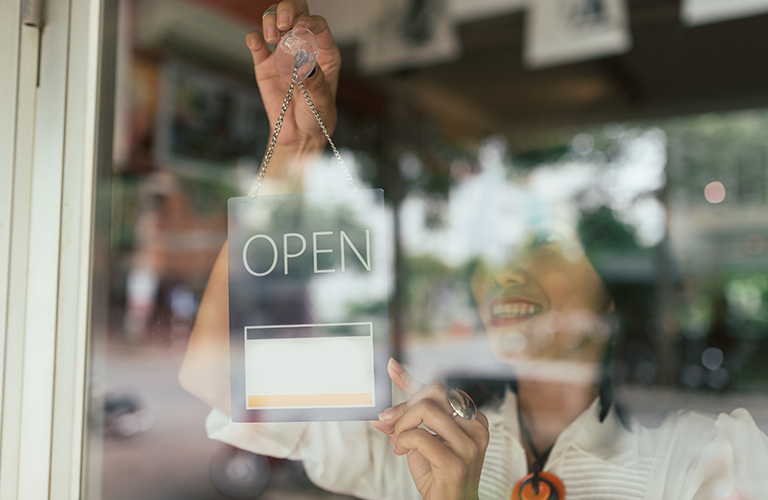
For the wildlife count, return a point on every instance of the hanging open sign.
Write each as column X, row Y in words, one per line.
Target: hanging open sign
column 308, row 292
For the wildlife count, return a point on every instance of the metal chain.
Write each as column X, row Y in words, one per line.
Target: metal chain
column 279, row 126
column 327, row 135
column 275, row 133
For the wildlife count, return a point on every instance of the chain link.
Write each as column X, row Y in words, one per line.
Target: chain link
column 279, row 126
column 275, row 133
column 327, row 135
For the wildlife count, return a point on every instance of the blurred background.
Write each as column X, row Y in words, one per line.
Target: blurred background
column 646, row 118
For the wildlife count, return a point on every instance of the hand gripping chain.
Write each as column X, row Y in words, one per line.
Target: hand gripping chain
column 279, row 125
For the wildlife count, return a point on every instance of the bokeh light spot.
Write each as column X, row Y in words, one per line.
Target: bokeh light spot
column 712, row 358
column 714, row 192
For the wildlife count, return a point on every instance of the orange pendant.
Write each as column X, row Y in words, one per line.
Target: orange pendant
column 550, row 488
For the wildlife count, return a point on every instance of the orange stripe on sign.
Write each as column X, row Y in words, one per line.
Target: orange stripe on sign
column 360, row 399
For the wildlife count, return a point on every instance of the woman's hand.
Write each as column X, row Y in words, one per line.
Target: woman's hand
column 300, row 131
column 446, row 463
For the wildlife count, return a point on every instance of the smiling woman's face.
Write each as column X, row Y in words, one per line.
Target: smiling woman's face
column 545, row 303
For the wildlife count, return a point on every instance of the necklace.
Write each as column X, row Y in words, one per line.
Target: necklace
column 537, row 485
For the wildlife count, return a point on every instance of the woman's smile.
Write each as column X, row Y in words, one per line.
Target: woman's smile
column 507, row 311
column 545, row 303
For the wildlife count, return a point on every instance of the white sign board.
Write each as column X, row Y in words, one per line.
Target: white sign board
column 402, row 34
column 563, row 31
column 694, row 12
column 308, row 293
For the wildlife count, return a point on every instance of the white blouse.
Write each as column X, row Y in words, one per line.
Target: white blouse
column 689, row 457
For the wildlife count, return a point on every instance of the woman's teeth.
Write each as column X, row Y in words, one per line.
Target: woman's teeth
column 514, row 310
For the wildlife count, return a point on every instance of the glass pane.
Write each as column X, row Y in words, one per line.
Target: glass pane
column 574, row 204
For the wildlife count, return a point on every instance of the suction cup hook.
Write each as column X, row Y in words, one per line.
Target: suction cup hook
column 297, row 49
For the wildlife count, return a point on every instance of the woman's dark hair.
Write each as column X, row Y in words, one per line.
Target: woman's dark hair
column 627, row 271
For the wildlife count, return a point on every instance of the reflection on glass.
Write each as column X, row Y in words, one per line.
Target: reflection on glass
column 594, row 267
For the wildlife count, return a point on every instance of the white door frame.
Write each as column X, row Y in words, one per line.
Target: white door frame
column 55, row 137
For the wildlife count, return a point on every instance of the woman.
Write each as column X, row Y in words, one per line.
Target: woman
column 544, row 309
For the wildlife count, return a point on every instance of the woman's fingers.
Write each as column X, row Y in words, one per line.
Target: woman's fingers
column 445, row 452
column 259, row 50
column 288, row 11
column 479, row 433
column 323, row 94
column 429, row 405
column 434, row 391
column 438, row 454
column 467, row 438
column 429, row 413
column 290, row 14
column 328, row 53
column 316, row 24
column 418, row 391
column 445, row 475
column 402, row 378
column 319, row 27
column 283, row 18
column 316, row 83
column 269, row 24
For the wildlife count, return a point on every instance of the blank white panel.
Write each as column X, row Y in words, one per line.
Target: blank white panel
column 324, row 365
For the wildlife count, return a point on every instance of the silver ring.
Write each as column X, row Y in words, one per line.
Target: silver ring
column 269, row 11
column 462, row 404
